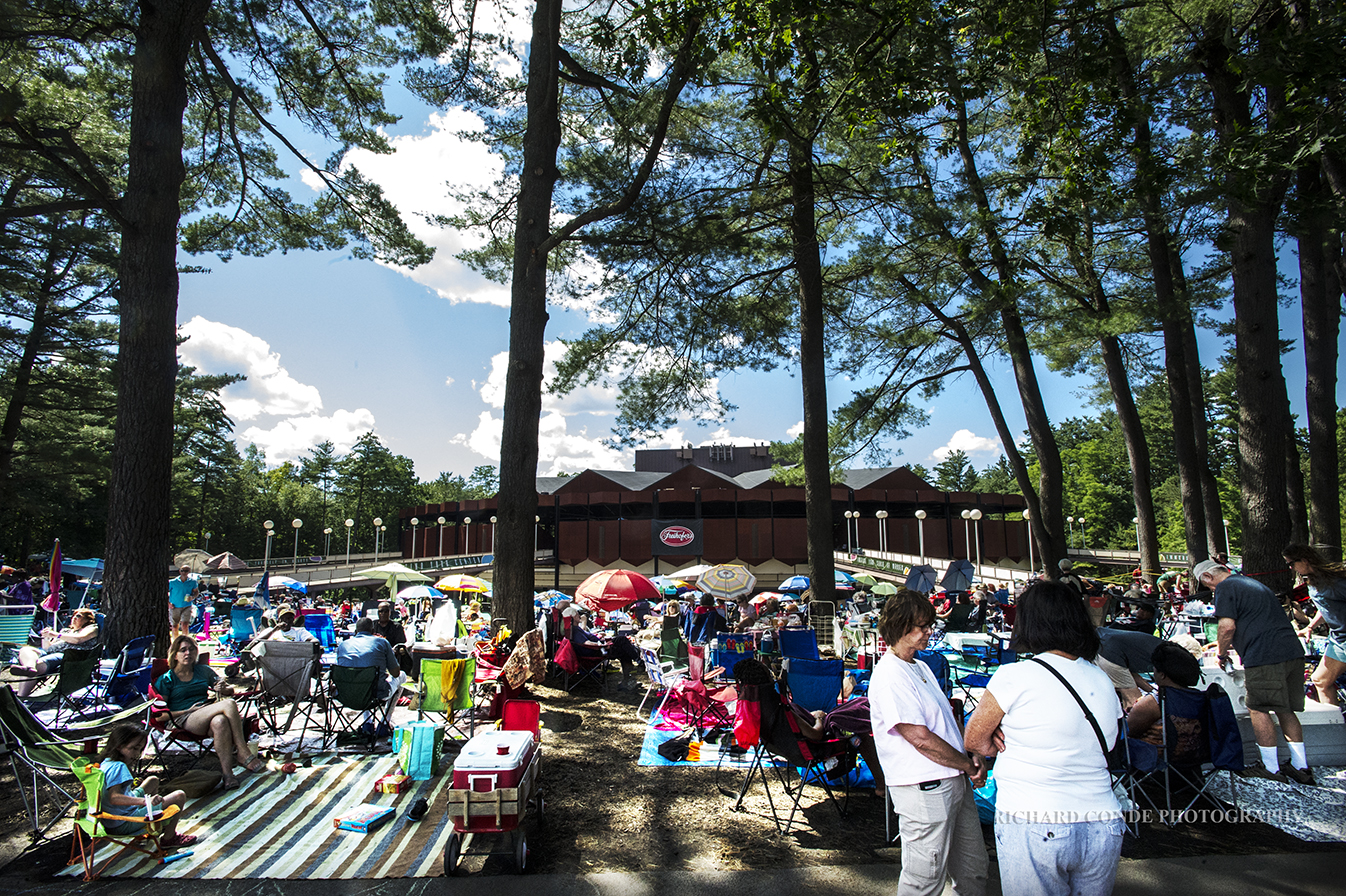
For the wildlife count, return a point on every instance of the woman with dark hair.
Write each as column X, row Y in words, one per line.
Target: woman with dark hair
column 1174, row 667
column 1327, row 589
column 1058, row 825
column 920, row 750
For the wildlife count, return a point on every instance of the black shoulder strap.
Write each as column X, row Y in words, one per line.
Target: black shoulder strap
column 1098, row 732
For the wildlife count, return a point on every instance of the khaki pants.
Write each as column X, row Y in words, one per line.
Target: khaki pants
column 941, row 837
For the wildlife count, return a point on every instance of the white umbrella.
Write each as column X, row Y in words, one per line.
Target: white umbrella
column 390, row 574
column 691, row 572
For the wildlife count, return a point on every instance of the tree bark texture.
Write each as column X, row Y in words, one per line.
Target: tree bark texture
column 517, row 497
column 1320, row 297
column 138, row 553
column 1210, row 489
column 1137, row 450
column 23, row 373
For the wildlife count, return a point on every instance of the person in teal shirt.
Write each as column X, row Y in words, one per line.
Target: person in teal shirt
column 185, row 688
column 182, row 590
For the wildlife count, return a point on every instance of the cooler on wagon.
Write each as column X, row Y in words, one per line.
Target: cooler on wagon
column 490, row 761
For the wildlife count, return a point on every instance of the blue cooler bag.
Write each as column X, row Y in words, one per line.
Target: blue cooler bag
column 418, row 746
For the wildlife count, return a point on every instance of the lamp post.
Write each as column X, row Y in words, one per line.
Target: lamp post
column 207, row 548
column 1029, row 526
column 1135, row 521
column 967, row 533
column 441, row 535
column 920, row 530
column 976, row 532
column 270, row 528
column 296, row 523
column 882, row 517
column 349, row 524
column 1084, row 543
column 327, row 542
column 492, row 548
column 467, row 532
column 1227, row 551
column 415, row 521
column 536, row 521
column 850, row 548
column 378, row 523
column 1070, row 532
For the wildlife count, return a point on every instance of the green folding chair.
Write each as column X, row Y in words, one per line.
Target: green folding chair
column 456, row 707
column 91, row 825
column 33, row 753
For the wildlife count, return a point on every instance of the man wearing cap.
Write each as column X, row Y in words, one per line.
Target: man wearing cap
column 182, row 591
column 1253, row 623
column 1069, row 578
column 285, row 629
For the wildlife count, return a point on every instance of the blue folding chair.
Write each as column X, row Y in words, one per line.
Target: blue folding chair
column 321, row 627
column 244, row 622
column 814, row 684
column 939, row 664
column 728, row 650
column 800, row 642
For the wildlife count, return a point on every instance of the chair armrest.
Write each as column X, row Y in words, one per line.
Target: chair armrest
column 166, row 813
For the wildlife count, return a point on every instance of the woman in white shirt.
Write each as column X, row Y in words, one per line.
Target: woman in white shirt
column 1058, row 826
column 920, row 748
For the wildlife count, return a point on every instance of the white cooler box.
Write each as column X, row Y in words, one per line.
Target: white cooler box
column 492, row 760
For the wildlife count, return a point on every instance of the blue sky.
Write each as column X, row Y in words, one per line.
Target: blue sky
column 334, row 346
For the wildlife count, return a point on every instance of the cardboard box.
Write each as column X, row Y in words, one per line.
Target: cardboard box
column 392, row 784
column 363, row 818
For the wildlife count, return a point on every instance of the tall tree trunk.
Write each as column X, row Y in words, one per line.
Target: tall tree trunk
column 527, row 325
column 1320, row 297
column 1264, row 420
column 138, row 552
column 23, row 374
column 812, row 348
column 1214, row 511
column 1295, row 504
column 1137, row 450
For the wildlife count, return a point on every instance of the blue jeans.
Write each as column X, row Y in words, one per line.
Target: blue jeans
column 1069, row 859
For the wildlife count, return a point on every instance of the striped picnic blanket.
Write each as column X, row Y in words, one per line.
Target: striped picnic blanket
column 280, row 826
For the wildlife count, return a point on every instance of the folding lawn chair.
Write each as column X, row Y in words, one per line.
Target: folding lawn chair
column 577, row 669
column 353, row 702
column 244, row 623
column 728, row 650
column 123, row 679
column 447, row 689
column 286, row 685
column 91, row 825
column 74, row 689
column 800, row 642
column 15, row 627
column 795, row 761
column 663, row 676
column 34, row 753
column 672, row 645
column 321, row 627
column 813, row 684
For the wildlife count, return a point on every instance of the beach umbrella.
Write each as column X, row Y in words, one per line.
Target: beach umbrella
column 612, row 589
column 227, row 561
column 885, row 588
column 866, row 579
column 550, row 598
column 391, row 574
column 843, row 579
column 670, row 586
column 728, row 580
column 420, row 592
column 461, row 582
column 958, row 577
column 691, row 572
column 795, row 583
column 921, row 579
column 194, row 559
column 287, row 582
column 53, row 599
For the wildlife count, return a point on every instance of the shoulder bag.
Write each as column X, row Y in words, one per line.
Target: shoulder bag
column 1114, row 758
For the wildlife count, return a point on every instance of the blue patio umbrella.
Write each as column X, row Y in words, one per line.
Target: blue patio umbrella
column 795, row 583
column 958, row 577
column 921, row 579
column 262, row 593
column 843, row 579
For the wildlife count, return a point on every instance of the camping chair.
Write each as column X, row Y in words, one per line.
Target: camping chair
column 1199, row 732
column 576, row 669
column 958, row 618
column 663, row 676
column 728, row 650
column 455, row 704
column 286, row 687
column 91, row 821
column 794, row 759
column 74, row 684
column 672, row 645
column 123, row 678
column 353, row 694
column 800, row 642
column 321, row 627
column 244, row 623
column 16, row 627
column 34, row 753
column 813, row 684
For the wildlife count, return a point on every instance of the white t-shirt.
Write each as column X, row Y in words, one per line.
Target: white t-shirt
column 1052, row 769
column 897, row 695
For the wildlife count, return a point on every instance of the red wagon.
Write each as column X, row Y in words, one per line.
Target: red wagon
column 495, row 784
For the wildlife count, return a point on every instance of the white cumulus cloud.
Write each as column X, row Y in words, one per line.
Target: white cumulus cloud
column 969, row 443
column 796, row 431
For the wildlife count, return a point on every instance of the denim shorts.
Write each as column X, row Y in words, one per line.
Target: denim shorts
column 1058, row 859
column 1334, row 650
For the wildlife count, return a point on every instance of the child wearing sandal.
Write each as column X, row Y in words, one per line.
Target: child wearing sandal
column 124, row 747
column 185, row 687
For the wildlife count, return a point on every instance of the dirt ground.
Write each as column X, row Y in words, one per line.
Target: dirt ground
column 606, row 813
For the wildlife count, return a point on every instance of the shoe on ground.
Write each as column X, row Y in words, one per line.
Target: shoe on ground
column 1258, row 770
column 418, row 809
column 1298, row 775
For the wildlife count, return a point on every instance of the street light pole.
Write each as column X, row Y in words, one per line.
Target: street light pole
column 967, row 534
column 208, row 534
column 327, row 543
column 1135, row 521
column 1084, row 543
column 1029, row 525
column 467, row 533
column 296, row 523
column 536, row 521
column 882, row 517
column 976, row 531
column 1227, row 551
column 378, row 522
column 270, row 531
column 850, row 548
column 349, row 524
column 492, row 550
column 920, row 528
column 415, row 521
column 441, row 535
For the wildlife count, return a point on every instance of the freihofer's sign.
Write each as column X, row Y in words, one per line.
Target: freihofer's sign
column 682, row 537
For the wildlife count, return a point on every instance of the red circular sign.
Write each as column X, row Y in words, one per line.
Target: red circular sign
column 677, row 536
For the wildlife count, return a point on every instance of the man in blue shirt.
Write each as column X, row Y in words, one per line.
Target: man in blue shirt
column 365, row 648
column 181, row 592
